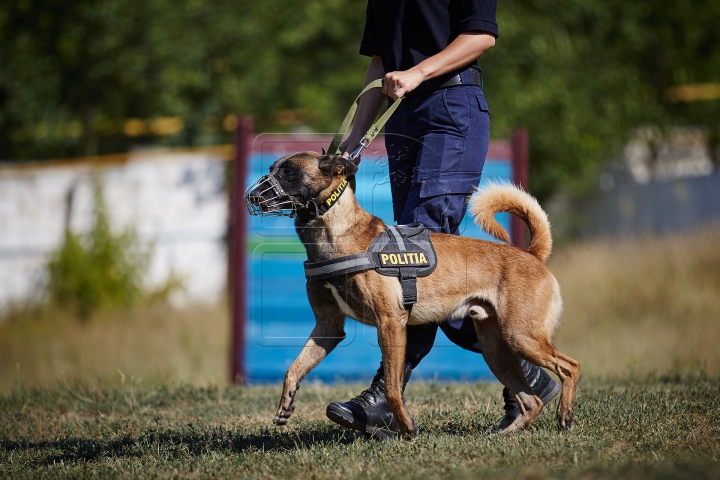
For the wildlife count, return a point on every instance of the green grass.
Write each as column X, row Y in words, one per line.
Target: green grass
column 657, row 427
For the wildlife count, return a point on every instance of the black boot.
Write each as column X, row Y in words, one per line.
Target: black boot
column 541, row 383
column 369, row 412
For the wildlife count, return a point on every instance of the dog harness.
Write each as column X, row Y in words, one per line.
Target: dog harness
column 402, row 251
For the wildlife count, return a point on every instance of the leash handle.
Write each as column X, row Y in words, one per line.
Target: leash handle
column 372, row 132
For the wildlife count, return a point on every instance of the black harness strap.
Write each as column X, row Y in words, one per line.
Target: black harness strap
column 407, row 275
column 340, row 266
column 408, row 282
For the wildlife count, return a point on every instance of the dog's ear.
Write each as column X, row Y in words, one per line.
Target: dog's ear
column 337, row 165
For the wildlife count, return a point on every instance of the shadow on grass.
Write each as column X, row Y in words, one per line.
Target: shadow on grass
column 460, row 429
column 189, row 441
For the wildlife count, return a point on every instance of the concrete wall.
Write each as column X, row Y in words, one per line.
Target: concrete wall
column 175, row 200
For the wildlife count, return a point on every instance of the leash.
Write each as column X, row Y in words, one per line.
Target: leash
column 370, row 135
column 266, row 196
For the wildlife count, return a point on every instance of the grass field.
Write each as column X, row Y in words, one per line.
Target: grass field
column 650, row 428
column 143, row 392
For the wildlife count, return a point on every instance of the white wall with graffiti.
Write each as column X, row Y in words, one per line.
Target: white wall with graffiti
column 175, row 201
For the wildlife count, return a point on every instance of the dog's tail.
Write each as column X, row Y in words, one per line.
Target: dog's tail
column 505, row 197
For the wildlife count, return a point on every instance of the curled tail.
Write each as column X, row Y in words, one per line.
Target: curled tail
column 505, row 197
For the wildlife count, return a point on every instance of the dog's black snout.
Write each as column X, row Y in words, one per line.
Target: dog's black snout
column 254, row 201
column 255, row 196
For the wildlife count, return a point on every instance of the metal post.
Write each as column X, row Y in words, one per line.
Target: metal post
column 237, row 260
column 519, row 145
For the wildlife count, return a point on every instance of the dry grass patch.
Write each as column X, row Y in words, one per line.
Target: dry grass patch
column 153, row 344
column 645, row 305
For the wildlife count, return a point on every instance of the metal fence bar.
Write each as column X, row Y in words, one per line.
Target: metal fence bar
column 519, row 145
column 237, row 264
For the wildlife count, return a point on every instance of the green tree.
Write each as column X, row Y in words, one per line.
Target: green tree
column 579, row 75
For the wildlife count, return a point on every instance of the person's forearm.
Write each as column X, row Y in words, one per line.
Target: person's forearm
column 466, row 48
column 462, row 51
column 370, row 103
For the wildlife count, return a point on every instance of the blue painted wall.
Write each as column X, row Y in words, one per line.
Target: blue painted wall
column 280, row 318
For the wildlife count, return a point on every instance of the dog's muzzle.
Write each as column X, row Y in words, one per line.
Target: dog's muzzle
column 267, row 198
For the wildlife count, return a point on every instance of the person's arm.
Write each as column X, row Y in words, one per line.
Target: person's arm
column 464, row 49
column 370, row 104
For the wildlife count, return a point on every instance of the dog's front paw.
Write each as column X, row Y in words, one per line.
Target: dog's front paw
column 281, row 417
column 286, row 408
column 411, row 433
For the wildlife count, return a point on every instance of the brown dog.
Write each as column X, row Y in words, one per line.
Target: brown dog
column 512, row 298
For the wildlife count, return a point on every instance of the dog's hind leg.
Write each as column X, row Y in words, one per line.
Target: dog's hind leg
column 392, row 337
column 506, row 367
column 326, row 335
column 540, row 351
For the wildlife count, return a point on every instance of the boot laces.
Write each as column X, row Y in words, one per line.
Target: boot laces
column 371, row 396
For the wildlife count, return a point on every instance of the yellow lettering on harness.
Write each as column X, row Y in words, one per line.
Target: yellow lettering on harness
column 410, row 258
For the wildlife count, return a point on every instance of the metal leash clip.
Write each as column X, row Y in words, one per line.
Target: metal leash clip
column 355, row 154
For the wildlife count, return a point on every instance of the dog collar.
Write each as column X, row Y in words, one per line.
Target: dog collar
column 322, row 207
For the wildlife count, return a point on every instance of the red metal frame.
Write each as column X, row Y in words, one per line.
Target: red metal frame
column 519, row 145
column 236, row 264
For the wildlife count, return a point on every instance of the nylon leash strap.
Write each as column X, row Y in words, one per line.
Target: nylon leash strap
column 372, row 132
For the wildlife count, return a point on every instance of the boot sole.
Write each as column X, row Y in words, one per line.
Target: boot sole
column 346, row 420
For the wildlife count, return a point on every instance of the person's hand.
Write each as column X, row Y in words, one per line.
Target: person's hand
column 398, row 84
column 349, row 145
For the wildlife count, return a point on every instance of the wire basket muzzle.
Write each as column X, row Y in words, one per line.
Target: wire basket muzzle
column 266, row 198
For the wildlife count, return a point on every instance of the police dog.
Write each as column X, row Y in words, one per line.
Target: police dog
column 511, row 296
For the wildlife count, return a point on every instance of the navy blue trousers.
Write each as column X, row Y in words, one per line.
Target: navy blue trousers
column 436, row 144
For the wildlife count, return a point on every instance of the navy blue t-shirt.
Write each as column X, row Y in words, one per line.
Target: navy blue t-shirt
column 406, row 32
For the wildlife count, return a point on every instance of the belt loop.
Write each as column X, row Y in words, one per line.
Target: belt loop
column 477, row 77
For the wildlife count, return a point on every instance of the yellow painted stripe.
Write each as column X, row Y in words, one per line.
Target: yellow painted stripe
column 224, row 152
column 694, row 92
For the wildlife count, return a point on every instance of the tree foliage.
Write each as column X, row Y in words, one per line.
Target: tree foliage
column 579, row 75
